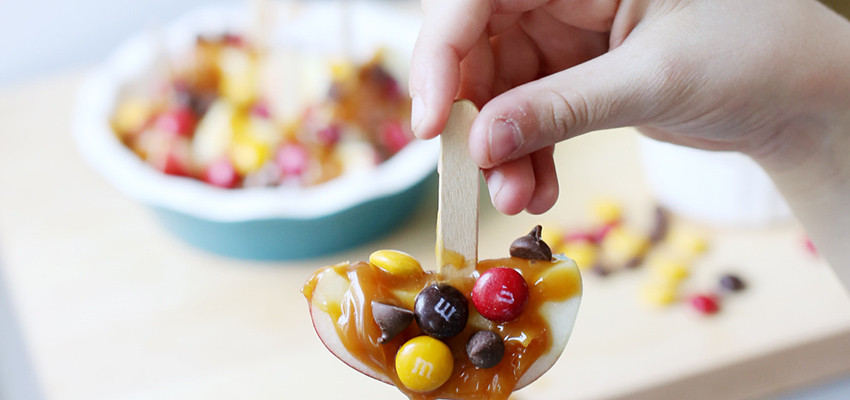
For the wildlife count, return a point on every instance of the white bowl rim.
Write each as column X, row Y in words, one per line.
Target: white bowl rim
column 136, row 179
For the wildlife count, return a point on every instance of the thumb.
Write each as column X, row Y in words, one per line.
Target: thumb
column 619, row 88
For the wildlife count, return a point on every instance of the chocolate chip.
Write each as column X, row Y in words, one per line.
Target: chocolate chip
column 391, row 319
column 441, row 311
column 732, row 283
column 531, row 246
column 485, row 349
column 660, row 226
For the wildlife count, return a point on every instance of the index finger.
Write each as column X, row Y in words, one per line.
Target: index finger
column 450, row 29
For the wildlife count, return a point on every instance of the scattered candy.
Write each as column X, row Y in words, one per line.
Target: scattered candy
column 552, row 237
column 390, row 319
column 668, row 250
column 441, row 311
column 660, row 225
column 660, row 292
column 669, row 268
column 810, row 246
column 485, row 349
column 500, row 294
column 607, row 211
column 585, row 253
column 424, row 364
column 705, row 304
column 732, row 283
column 396, row 262
column 687, row 242
column 623, row 244
column 531, row 246
column 599, row 235
column 600, row 270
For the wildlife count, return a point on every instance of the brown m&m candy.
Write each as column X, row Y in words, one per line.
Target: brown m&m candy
column 732, row 283
column 531, row 246
column 390, row 319
column 441, row 311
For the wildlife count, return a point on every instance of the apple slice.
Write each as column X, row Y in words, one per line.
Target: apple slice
column 340, row 300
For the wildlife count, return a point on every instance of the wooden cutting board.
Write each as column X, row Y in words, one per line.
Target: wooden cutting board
column 114, row 307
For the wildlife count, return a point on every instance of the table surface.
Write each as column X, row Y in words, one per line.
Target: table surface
column 112, row 306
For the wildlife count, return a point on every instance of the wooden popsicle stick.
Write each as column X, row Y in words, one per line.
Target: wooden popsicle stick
column 457, row 215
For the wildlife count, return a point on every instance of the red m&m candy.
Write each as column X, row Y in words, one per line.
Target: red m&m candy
column 705, row 304
column 500, row 294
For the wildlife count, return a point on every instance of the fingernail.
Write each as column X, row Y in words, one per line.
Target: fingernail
column 504, row 139
column 494, row 184
column 417, row 109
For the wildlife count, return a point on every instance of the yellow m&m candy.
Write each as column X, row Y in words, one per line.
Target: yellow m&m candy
column 424, row 364
column 396, row 262
column 659, row 293
column 606, row 211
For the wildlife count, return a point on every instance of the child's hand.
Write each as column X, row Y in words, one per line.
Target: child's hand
column 756, row 76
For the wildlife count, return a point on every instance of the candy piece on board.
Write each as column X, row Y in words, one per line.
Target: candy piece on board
column 660, row 292
column 531, row 246
column 584, row 252
column 732, row 283
column 688, row 242
column 623, row 244
column 660, row 225
column 391, row 319
column 441, row 311
column 669, row 268
column 553, row 237
column 606, row 211
column 705, row 304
